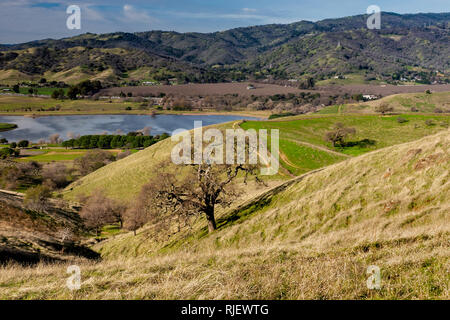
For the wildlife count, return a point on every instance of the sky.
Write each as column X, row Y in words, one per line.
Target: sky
column 27, row 20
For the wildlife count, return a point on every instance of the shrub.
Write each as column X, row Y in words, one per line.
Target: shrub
column 402, row 120
column 99, row 211
column 23, row 144
column 56, row 175
column 338, row 134
column 429, row 122
column 6, row 153
column 93, row 160
column 123, row 154
column 384, row 108
column 36, row 198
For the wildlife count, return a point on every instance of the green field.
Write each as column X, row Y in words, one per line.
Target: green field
column 7, row 126
column 46, row 91
column 36, row 106
column 302, row 149
column 384, row 130
column 60, row 154
column 41, row 106
column 313, row 239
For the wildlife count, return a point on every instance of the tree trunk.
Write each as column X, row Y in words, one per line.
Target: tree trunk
column 211, row 220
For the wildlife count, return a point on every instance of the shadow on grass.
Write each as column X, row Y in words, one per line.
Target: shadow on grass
column 364, row 143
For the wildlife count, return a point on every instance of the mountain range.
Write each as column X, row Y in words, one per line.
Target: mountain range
column 409, row 45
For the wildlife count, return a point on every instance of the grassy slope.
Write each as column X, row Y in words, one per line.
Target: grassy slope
column 124, row 179
column 312, row 240
column 301, row 144
column 424, row 103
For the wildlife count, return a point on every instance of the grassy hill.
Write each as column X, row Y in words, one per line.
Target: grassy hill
column 29, row 237
column 401, row 103
column 312, row 238
column 302, row 149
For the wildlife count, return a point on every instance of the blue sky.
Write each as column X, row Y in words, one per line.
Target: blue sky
column 26, row 20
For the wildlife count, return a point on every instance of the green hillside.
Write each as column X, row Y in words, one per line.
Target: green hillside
column 302, row 148
column 312, row 238
column 401, row 103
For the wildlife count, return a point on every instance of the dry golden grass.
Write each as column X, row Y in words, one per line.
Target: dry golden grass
column 313, row 240
column 424, row 103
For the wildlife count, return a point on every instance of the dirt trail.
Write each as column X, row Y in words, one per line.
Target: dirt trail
column 288, row 162
column 314, row 146
column 282, row 171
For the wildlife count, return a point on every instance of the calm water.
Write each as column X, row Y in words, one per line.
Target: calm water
column 42, row 127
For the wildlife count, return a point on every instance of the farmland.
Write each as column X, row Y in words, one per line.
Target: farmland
column 35, row 106
column 262, row 89
column 239, row 88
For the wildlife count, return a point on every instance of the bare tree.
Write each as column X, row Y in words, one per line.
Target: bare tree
column 146, row 131
column 66, row 236
column 56, row 175
column 93, row 160
column 187, row 195
column 99, row 211
column 384, row 108
column 54, row 138
column 338, row 134
column 135, row 218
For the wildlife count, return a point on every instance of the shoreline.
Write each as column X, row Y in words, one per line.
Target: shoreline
column 259, row 115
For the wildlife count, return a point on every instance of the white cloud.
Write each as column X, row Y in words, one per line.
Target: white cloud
column 249, row 10
column 131, row 13
column 235, row 16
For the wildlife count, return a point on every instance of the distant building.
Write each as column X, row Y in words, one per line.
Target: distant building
column 368, row 97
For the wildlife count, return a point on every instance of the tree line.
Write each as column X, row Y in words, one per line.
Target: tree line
column 131, row 140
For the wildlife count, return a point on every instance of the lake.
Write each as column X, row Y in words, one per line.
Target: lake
column 34, row 129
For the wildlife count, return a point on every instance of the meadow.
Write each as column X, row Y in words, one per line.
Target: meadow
column 313, row 239
column 36, row 106
column 302, row 139
column 302, row 149
column 56, row 154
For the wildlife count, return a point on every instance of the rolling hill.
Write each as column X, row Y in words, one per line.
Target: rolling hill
column 311, row 238
column 302, row 149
